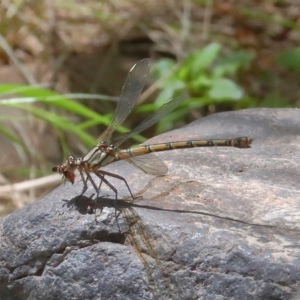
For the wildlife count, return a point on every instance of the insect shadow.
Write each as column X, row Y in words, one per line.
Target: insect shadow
column 91, row 205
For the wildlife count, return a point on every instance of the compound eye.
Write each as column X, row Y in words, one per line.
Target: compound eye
column 55, row 169
column 72, row 160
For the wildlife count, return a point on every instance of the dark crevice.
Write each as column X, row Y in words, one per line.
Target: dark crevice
column 27, row 269
column 40, row 263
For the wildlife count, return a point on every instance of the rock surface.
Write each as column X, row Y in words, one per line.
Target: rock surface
column 223, row 224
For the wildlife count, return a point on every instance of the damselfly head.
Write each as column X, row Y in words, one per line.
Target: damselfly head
column 69, row 175
column 67, row 169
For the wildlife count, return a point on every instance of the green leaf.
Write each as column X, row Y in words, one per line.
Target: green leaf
column 162, row 67
column 11, row 136
column 290, row 59
column 202, row 59
column 146, row 108
column 38, row 94
column 167, row 123
column 164, row 96
column 197, row 102
column 274, row 101
column 202, row 81
column 232, row 63
column 57, row 121
column 169, row 91
column 225, row 89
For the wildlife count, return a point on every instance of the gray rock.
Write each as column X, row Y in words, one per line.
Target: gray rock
column 223, row 224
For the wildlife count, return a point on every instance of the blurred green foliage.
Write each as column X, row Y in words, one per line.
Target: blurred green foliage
column 56, row 110
column 207, row 75
column 290, row 59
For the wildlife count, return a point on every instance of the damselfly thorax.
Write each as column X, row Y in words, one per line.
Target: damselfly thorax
column 107, row 152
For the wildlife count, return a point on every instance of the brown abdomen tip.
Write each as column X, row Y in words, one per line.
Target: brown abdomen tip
column 243, row 142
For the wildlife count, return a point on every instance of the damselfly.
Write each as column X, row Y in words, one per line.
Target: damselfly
column 107, row 152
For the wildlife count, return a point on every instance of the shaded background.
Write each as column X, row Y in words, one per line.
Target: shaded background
column 56, row 56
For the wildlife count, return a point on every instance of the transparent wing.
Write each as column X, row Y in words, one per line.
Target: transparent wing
column 149, row 163
column 131, row 90
column 151, row 120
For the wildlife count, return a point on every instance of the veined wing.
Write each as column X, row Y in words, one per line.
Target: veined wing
column 131, row 90
column 149, row 163
column 154, row 118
